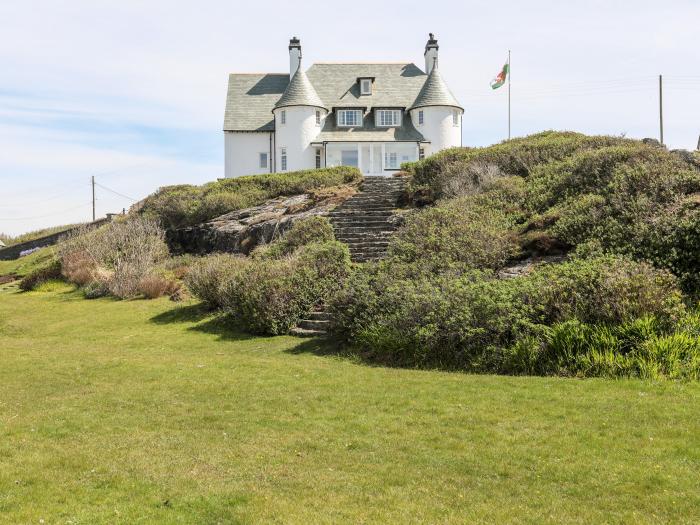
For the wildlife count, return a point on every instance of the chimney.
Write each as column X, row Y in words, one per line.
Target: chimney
column 431, row 54
column 294, row 56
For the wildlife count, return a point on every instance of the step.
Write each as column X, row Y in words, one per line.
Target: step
column 310, row 324
column 361, row 221
column 355, row 231
column 366, row 213
column 318, row 316
column 302, row 332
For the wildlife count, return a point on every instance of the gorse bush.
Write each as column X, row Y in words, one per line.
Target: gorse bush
column 48, row 271
column 186, row 205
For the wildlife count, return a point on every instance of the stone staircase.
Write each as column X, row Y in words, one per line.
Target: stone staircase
column 363, row 222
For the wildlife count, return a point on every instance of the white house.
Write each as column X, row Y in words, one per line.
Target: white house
column 370, row 115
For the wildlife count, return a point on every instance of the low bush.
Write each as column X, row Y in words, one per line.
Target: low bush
column 158, row 284
column 48, row 271
column 208, row 275
column 270, row 296
column 186, row 205
column 117, row 255
column 479, row 323
column 304, row 231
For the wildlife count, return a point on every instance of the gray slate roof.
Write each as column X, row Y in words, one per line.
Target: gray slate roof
column 435, row 93
column 252, row 97
column 250, row 100
column 369, row 132
column 300, row 92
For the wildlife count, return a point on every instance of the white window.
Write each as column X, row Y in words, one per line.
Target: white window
column 318, row 158
column 263, row 160
column 420, row 117
column 283, row 117
column 283, row 159
column 349, row 157
column 318, row 118
column 365, row 86
column 349, row 117
column 388, row 118
column 455, row 118
column 421, row 153
column 391, row 160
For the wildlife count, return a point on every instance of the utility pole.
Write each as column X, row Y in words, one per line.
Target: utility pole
column 93, row 198
column 661, row 109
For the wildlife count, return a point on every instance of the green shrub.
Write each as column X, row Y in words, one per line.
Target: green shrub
column 305, row 231
column 48, row 271
column 270, row 296
column 207, row 276
column 186, row 205
column 479, row 323
column 460, row 232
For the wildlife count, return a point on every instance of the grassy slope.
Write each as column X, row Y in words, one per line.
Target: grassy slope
column 145, row 412
column 26, row 264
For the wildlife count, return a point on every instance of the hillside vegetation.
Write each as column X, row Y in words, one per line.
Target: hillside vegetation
column 187, row 205
column 10, row 240
column 625, row 217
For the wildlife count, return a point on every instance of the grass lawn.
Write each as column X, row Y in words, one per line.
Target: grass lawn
column 150, row 412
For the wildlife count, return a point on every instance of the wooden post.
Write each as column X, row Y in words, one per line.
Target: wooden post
column 93, row 198
column 509, row 94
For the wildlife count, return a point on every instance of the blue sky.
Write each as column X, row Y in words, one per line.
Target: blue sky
column 133, row 92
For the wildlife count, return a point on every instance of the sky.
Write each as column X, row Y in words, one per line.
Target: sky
column 132, row 91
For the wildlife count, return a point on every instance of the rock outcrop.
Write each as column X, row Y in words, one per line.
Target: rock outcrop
column 242, row 230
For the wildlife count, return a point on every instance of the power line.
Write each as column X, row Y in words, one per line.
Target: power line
column 115, row 192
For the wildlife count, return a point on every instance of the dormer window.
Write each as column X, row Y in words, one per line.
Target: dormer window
column 365, row 86
column 388, row 118
column 349, row 118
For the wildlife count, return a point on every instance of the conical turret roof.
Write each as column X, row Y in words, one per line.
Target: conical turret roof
column 435, row 93
column 300, row 92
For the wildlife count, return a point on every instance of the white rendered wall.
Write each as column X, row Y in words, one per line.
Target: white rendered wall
column 299, row 130
column 438, row 127
column 242, row 153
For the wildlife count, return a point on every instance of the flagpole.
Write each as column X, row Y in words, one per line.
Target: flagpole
column 509, row 94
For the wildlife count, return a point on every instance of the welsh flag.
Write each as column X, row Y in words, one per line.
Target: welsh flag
column 500, row 78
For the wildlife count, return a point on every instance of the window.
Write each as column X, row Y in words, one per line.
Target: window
column 349, row 117
column 420, row 117
column 349, row 157
column 391, row 160
column 283, row 117
column 365, row 86
column 388, row 118
column 421, row 153
column 455, row 118
column 318, row 158
column 263, row 160
column 283, row 159
column 318, row 118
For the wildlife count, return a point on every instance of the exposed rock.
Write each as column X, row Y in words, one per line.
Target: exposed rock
column 524, row 267
column 242, row 230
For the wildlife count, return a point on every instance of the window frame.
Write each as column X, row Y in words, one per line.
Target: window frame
column 260, row 160
column 455, row 118
column 421, row 117
column 283, row 158
column 396, row 120
column 283, row 117
column 318, row 158
column 318, row 117
column 391, row 166
column 341, row 118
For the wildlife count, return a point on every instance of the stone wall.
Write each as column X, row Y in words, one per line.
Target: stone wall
column 12, row 252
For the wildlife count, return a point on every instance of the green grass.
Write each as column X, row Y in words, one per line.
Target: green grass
column 26, row 264
column 149, row 412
